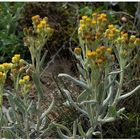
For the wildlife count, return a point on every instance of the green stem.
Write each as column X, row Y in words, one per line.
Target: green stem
column 39, row 105
column 27, row 126
column 119, row 88
column 105, row 83
column 38, row 114
column 26, row 118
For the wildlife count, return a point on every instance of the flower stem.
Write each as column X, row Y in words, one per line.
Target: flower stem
column 119, row 88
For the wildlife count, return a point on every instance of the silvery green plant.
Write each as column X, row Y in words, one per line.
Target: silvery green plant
column 100, row 44
column 24, row 117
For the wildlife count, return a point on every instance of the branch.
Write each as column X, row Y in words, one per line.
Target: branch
column 129, row 93
column 78, row 82
column 73, row 103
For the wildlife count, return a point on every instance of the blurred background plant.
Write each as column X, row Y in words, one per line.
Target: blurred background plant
column 10, row 37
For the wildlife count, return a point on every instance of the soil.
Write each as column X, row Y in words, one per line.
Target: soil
column 52, row 86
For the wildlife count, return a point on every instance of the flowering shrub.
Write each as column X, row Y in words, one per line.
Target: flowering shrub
column 101, row 46
column 24, row 118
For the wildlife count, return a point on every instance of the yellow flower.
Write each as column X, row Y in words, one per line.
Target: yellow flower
column 99, row 18
column 137, row 41
column 94, row 14
column 45, row 18
column 77, row 51
column 109, row 50
column 94, row 22
column 39, row 26
column 2, row 75
column 84, row 17
column 102, row 48
column 81, row 21
column 103, row 15
column 91, row 54
column 21, row 61
column 6, row 66
column 26, row 78
column 117, row 31
column 99, row 61
column 35, row 17
column 104, row 19
column 125, row 35
column 122, row 32
column 111, row 26
column 21, row 81
column 16, row 58
column 82, row 26
column 132, row 38
column 98, row 51
column 113, row 30
column 110, row 36
column 120, row 40
column 88, row 20
column 43, row 22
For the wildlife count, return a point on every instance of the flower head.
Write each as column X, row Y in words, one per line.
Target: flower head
column 21, row 81
column 26, row 78
column 16, row 58
column 35, row 17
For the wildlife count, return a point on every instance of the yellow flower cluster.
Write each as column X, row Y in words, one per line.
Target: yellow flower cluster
column 95, row 30
column 24, row 80
column 25, row 83
column 91, row 28
column 100, row 55
column 120, row 37
column 112, row 32
column 101, row 18
column 16, row 58
column 14, row 66
column 18, row 65
column 40, row 30
column 137, row 41
column 36, row 18
column 5, row 66
column 127, row 43
column 41, row 24
column 123, row 38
